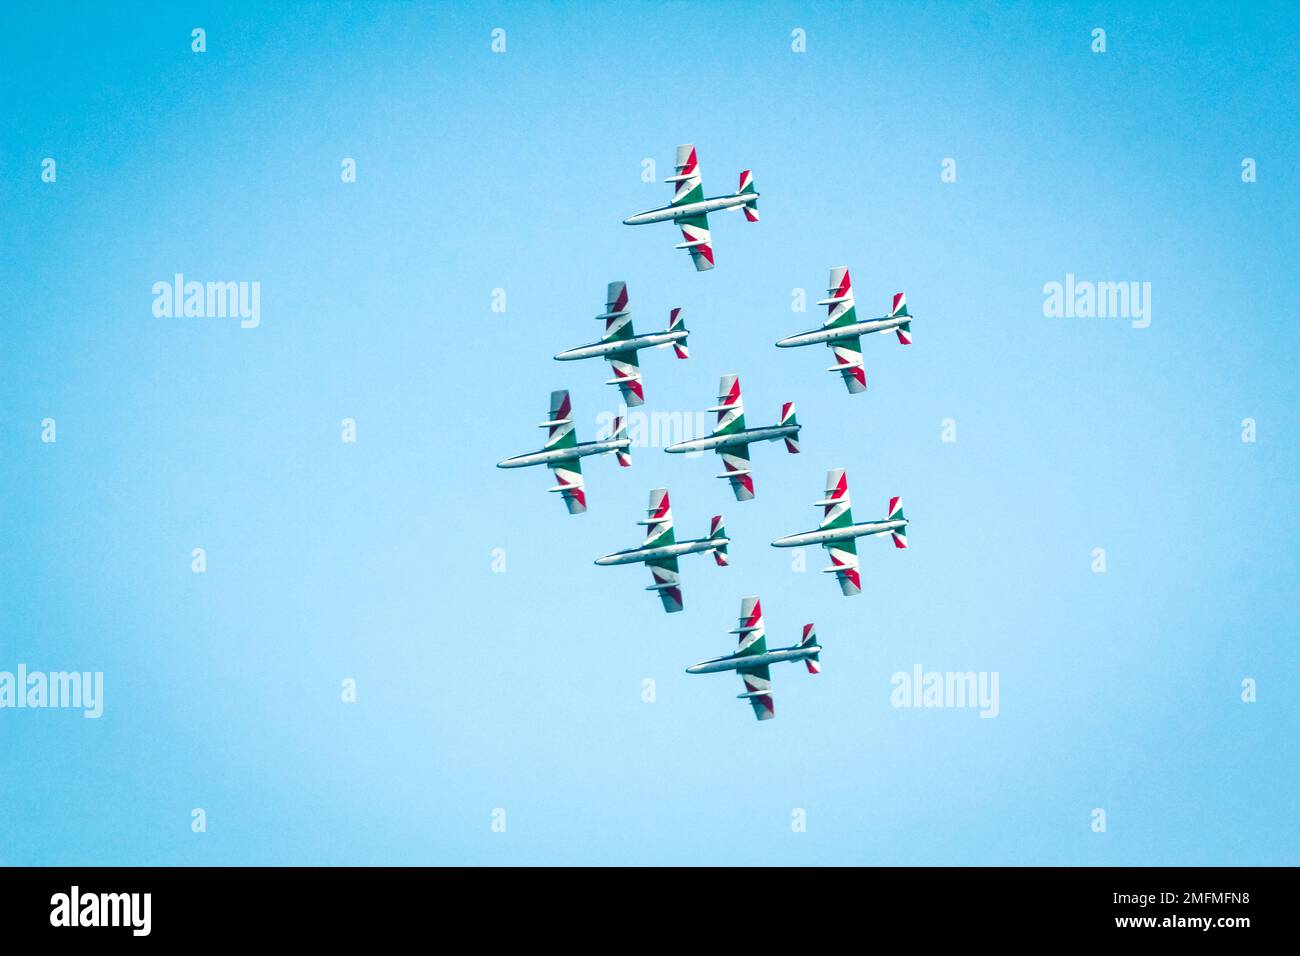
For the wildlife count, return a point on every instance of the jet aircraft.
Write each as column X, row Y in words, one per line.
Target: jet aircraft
column 731, row 439
column 838, row 532
column 619, row 344
column 752, row 659
column 563, row 454
column 660, row 549
column 843, row 330
column 690, row 210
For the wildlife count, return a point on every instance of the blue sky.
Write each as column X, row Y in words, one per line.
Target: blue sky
column 522, row 690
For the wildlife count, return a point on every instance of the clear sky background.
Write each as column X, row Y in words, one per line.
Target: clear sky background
column 522, row 690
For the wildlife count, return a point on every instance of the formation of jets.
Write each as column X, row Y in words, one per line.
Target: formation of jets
column 620, row 345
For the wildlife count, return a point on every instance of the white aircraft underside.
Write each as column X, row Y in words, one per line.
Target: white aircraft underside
column 769, row 433
column 638, row 555
column 838, row 534
column 562, row 454
column 665, row 213
column 817, row 336
column 734, row 662
column 598, row 349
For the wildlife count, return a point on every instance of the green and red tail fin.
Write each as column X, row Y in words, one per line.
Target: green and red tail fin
column 620, row 431
column 747, row 189
column 677, row 324
column 718, row 530
column 788, row 418
column 813, row 661
column 899, row 310
column 896, row 514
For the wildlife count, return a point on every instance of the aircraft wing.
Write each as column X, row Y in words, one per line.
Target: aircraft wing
column 735, row 459
column 758, row 687
column 627, row 376
column 841, row 310
column 848, row 362
column 844, row 563
column 568, row 483
column 667, row 583
column 697, row 238
column 618, row 327
column 568, row 471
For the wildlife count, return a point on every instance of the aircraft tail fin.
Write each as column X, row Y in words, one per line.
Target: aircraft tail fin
column 677, row 324
column 896, row 514
column 788, row 418
column 620, row 431
column 718, row 530
column 747, row 189
column 813, row 661
column 899, row 310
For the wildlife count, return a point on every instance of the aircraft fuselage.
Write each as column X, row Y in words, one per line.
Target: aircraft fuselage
column 743, row 437
column 638, row 555
column 842, row 331
column 737, row 661
column 839, row 534
column 633, row 344
column 581, row 450
column 689, row 209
